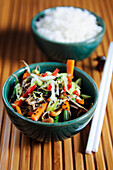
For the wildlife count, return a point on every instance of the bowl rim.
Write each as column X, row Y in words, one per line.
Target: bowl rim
column 90, row 40
column 6, row 102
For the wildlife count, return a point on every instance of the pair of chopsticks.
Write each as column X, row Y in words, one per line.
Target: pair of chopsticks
column 97, row 122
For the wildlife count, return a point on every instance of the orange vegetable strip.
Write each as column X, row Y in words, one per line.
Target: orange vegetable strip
column 17, row 103
column 48, row 100
column 36, row 115
column 70, row 67
column 25, row 75
column 55, row 72
column 44, row 75
column 80, row 101
column 65, row 105
column 18, row 110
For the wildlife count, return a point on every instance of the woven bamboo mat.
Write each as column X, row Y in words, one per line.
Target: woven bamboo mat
column 16, row 43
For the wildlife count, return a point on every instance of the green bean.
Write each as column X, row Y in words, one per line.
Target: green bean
column 78, row 81
column 46, row 93
column 65, row 115
column 84, row 96
column 14, row 91
column 56, row 119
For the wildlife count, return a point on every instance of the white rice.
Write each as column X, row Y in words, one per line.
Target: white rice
column 68, row 24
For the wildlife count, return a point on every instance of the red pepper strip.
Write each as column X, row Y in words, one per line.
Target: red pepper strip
column 65, row 105
column 64, row 91
column 30, row 89
column 49, row 87
column 55, row 72
column 19, row 102
column 69, row 85
column 76, row 92
column 69, row 79
column 26, row 74
column 44, row 75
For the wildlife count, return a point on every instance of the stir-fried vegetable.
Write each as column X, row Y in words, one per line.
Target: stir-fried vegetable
column 50, row 96
column 70, row 68
column 18, row 110
column 41, row 108
column 65, row 115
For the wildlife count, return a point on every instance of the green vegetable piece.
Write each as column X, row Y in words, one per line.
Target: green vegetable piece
column 78, row 81
column 16, row 82
column 39, row 82
column 18, row 90
column 52, row 107
column 34, row 94
column 35, row 71
column 84, row 96
column 73, row 99
column 27, row 79
column 46, row 84
column 46, row 93
column 74, row 86
column 36, row 81
column 56, row 119
column 65, row 115
column 62, row 96
column 14, row 91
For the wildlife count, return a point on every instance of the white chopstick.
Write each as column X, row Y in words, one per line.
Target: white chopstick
column 97, row 122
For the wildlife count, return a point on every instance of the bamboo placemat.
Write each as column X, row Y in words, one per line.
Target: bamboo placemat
column 16, row 43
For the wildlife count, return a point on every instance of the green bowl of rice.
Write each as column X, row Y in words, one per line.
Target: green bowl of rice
column 67, row 32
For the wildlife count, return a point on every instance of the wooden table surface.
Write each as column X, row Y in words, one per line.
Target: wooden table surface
column 16, row 43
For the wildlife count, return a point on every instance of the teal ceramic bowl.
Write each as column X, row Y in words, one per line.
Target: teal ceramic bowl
column 50, row 131
column 62, row 51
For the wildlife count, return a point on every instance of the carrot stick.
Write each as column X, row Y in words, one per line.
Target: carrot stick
column 17, row 103
column 36, row 115
column 65, row 105
column 18, row 110
column 55, row 72
column 70, row 67
column 80, row 101
column 25, row 75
